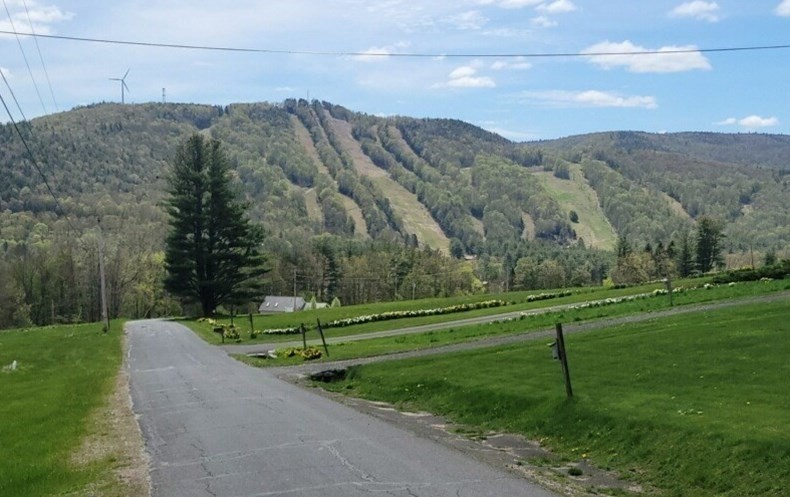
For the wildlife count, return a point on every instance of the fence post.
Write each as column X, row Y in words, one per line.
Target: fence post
column 321, row 332
column 564, row 361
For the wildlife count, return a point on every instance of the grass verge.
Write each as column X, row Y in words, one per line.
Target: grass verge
column 694, row 405
column 63, row 375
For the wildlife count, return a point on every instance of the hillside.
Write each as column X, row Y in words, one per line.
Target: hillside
column 312, row 168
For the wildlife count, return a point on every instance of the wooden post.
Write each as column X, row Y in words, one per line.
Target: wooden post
column 321, row 332
column 105, row 315
column 252, row 327
column 669, row 289
column 304, row 335
column 564, row 361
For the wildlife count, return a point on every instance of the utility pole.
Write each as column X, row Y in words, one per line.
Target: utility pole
column 104, row 314
column 294, row 304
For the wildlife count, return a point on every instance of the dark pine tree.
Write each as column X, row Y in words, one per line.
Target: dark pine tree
column 213, row 254
column 709, row 236
column 685, row 256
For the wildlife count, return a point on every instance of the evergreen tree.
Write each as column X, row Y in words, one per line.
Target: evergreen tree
column 709, row 236
column 685, row 257
column 213, row 251
column 623, row 247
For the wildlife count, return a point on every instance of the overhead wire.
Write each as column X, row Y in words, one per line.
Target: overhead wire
column 401, row 54
column 13, row 95
column 35, row 162
column 40, row 57
column 24, row 56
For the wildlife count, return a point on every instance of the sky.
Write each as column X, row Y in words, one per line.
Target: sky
column 478, row 59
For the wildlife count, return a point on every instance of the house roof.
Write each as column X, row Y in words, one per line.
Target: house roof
column 274, row 303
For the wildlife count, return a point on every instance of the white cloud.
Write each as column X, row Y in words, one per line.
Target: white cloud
column 665, row 59
column 698, row 9
column 590, row 98
column 750, row 122
column 40, row 16
column 285, row 89
column 518, row 4
column 515, row 63
column 470, row 20
column 377, row 54
column 783, row 9
column 543, row 22
column 466, row 77
column 509, row 133
column 507, row 32
column 557, row 7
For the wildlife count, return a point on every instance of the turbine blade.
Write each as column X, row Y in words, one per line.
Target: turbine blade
column 124, row 85
column 127, row 73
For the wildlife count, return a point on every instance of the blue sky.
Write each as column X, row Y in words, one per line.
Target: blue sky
column 521, row 98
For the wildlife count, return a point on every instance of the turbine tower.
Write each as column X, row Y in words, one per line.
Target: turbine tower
column 123, row 85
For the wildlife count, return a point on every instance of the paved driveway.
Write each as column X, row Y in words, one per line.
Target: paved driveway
column 215, row 427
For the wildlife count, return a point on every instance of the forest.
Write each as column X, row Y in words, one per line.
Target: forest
column 364, row 208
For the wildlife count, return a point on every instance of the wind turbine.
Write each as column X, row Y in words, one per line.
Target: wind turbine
column 123, row 85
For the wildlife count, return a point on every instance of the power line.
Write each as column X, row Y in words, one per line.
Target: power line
column 35, row 162
column 21, row 49
column 401, row 54
column 13, row 95
column 40, row 57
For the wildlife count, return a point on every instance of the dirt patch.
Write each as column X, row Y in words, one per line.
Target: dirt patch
column 116, row 438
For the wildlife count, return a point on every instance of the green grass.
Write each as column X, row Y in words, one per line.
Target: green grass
column 694, row 405
column 518, row 302
column 417, row 341
column 64, row 373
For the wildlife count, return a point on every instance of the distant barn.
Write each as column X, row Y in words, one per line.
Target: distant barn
column 281, row 304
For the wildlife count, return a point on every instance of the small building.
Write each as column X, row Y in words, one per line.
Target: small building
column 273, row 303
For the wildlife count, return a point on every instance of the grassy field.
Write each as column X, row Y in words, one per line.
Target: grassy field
column 694, row 405
column 518, row 303
column 417, row 341
column 63, row 374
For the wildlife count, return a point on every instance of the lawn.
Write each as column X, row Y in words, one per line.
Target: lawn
column 693, row 405
column 63, row 374
column 403, row 343
column 517, row 301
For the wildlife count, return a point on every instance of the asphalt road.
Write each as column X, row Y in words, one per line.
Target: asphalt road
column 215, row 427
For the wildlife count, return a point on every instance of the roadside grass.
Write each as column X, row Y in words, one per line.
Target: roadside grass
column 539, row 321
column 694, row 405
column 518, row 301
column 64, row 373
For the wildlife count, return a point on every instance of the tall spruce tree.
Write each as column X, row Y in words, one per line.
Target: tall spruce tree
column 709, row 237
column 213, row 254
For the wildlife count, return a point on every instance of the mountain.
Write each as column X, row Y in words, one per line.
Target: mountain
column 308, row 168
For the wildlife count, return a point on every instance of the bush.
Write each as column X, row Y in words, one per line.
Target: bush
column 308, row 354
column 776, row 271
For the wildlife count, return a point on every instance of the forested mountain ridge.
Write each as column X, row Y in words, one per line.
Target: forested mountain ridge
column 364, row 208
column 313, row 167
column 741, row 179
